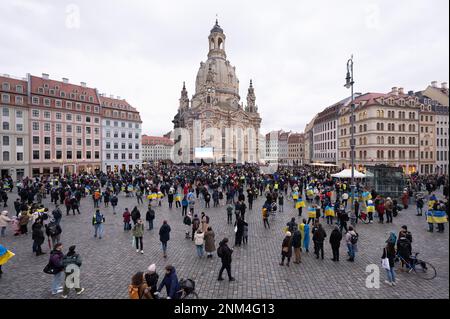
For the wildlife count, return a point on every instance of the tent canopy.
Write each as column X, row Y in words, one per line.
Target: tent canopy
column 347, row 173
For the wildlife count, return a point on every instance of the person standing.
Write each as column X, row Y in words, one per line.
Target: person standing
column 56, row 266
column 138, row 288
column 265, row 216
column 286, row 249
column 296, row 245
column 149, row 217
column 225, row 252
column 343, row 219
column 135, row 215
column 280, row 202
column 164, row 236
column 335, row 242
column 138, row 233
column 151, row 277
column 230, row 214
column 4, row 220
column 319, row 236
column 304, row 229
column 195, row 225
column 389, row 207
column 5, row 255
column 97, row 222
column 126, row 219
column 24, row 218
column 53, row 231
column 351, row 239
column 188, row 222
column 114, row 201
column 37, row 236
column 239, row 226
column 184, row 206
column 199, row 241
column 139, row 196
column 389, row 253
column 210, row 246
column 71, row 258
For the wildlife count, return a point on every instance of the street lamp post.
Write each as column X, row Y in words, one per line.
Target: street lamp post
column 349, row 84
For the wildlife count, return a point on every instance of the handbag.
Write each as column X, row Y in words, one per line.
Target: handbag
column 48, row 269
column 235, row 229
column 385, row 262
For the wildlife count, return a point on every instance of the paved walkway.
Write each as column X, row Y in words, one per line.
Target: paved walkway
column 109, row 263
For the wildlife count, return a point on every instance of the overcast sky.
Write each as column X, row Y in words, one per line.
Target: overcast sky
column 295, row 51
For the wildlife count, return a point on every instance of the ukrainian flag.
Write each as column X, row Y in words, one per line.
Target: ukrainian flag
column 153, row 196
column 5, row 257
column 329, row 211
column 299, row 203
column 149, row 196
column 431, row 204
column 312, row 212
column 295, row 196
column 366, row 196
column 178, row 197
column 370, row 208
column 310, row 192
column 436, row 217
column 160, row 195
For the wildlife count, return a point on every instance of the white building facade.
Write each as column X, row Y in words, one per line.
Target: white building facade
column 155, row 148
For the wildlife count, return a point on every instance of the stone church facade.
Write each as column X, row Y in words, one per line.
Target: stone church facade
column 215, row 116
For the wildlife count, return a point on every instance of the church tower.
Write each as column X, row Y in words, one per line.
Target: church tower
column 217, row 42
column 184, row 100
column 251, row 99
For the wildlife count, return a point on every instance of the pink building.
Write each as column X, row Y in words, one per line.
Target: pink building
column 64, row 125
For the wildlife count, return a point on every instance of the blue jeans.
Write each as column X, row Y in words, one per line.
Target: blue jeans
column 351, row 251
column 57, row 281
column 199, row 250
column 150, row 224
column 164, row 246
column 98, row 230
column 391, row 274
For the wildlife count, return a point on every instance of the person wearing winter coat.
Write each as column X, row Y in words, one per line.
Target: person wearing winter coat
column 126, row 220
column 239, row 224
column 38, row 237
column 389, row 208
column 171, row 283
column 381, row 209
column 24, row 218
column 138, row 234
column 419, row 205
column 225, row 252
column 114, row 201
column 4, row 220
column 53, row 231
column 210, row 246
column 184, row 206
column 296, row 245
column 389, row 252
column 335, row 242
column 149, row 217
column 135, row 215
column 164, row 236
column 97, row 221
column 195, row 225
column 71, row 258
column 319, row 236
column 304, row 231
column 151, row 277
column 138, row 288
column 199, row 241
column 351, row 239
column 286, row 249
column 55, row 263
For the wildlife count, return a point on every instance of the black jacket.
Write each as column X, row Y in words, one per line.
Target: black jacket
column 164, row 233
column 335, row 238
column 296, row 239
column 226, row 253
column 319, row 235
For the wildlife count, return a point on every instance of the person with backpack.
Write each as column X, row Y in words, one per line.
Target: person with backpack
column 351, row 239
column 286, row 249
column 97, row 221
column 292, row 225
column 56, row 268
column 224, row 252
column 114, row 202
column 149, row 217
column 164, row 236
column 138, row 234
column 57, row 215
column 71, row 258
column 335, row 242
column 53, row 231
column 138, row 288
column 126, row 220
column 319, row 236
column 37, row 236
column 187, row 220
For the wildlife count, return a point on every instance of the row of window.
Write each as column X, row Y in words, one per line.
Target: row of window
column 325, row 136
column 5, row 141
column 6, row 127
column 73, row 95
column 442, row 142
column 123, row 156
column 36, row 100
column 324, row 146
column 441, row 155
column 123, row 146
column 69, row 155
column 69, row 116
column 123, row 135
column 325, row 127
column 123, row 115
column 122, row 124
column 426, row 117
column 7, row 87
column 440, row 131
column 6, row 156
column 5, row 113
column 58, row 141
column 17, row 100
column 58, row 128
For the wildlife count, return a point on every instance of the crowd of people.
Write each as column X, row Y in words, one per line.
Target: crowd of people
column 235, row 188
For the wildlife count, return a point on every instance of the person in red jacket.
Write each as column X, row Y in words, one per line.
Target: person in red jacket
column 126, row 219
column 381, row 210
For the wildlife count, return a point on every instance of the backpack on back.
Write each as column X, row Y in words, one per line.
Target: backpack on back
column 354, row 239
column 220, row 251
column 133, row 292
column 98, row 219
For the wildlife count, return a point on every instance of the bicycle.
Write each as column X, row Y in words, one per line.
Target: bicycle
column 423, row 269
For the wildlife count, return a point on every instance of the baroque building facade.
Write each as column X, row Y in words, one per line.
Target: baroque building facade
column 214, row 117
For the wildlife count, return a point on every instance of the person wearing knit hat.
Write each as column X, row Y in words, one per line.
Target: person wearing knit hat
column 286, row 249
column 72, row 263
column 151, row 277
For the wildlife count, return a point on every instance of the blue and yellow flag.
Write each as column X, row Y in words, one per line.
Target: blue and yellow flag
column 300, row 203
column 311, row 212
column 366, row 196
column 436, row 217
column 329, row 211
column 370, row 208
column 178, row 197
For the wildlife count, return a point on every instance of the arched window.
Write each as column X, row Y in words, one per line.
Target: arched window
column 220, row 44
column 212, row 45
column 208, row 99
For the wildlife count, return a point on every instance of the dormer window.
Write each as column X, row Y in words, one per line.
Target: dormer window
column 72, row 96
column 19, row 88
column 5, row 86
column 52, row 92
column 46, row 85
column 62, row 94
column 41, row 90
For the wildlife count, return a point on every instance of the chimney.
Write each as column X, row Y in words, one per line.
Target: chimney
column 83, row 84
column 394, row 91
column 111, row 96
column 65, row 80
column 45, row 76
column 434, row 84
column 6, row 75
column 444, row 85
column 410, row 93
column 400, row 91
